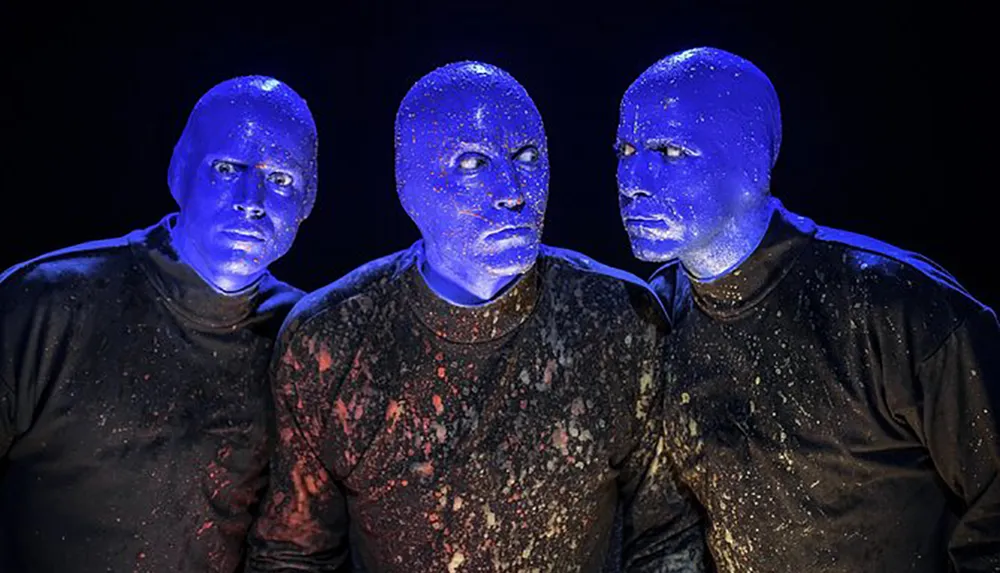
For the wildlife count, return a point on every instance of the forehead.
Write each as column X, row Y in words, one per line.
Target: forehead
column 253, row 131
column 652, row 109
column 695, row 102
column 491, row 110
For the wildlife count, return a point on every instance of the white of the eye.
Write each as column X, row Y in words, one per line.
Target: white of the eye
column 528, row 155
column 674, row 151
column 469, row 163
column 629, row 150
column 222, row 167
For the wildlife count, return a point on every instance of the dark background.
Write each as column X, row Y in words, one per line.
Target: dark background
column 96, row 98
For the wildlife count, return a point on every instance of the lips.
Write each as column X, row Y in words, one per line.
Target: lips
column 508, row 232
column 244, row 233
column 649, row 228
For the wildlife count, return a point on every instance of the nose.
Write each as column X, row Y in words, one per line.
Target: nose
column 514, row 203
column 248, row 201
column 249, row 209
column 630, row 181
column 510, row 196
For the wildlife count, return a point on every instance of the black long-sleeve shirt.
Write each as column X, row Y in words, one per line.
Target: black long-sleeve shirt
column 134, row 410
column 833, row 404
column 440, row 438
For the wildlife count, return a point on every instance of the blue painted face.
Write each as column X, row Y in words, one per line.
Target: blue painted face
column 472, row 172
column 699, row 132
column 244, row 176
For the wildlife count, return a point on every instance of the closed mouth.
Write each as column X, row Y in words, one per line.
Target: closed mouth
column 650, row 228
column 244, row 234
column 647, row 221
column 508, row 232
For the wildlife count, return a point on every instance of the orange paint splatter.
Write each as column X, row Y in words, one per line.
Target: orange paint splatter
column 392, row 412
column 324, row 360
column 438, row 404
column 441, row 372
column 341, row 409
column 560, row 439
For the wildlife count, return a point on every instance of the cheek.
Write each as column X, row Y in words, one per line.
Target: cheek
column 208, row 197
column 283, row 212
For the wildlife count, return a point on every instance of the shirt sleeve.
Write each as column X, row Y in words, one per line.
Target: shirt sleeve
column 7, row 409
column 958, row 422
column 31, row 333
column 662, row 526
column 303, row 524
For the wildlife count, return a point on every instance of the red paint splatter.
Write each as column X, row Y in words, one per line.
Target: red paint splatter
column 289, row 359
column 204, row 527
column 442, row 372
column 438, row 404
column 550, row 368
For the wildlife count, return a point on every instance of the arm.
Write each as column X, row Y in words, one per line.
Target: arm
column 958, row 422
column 662, row 527
column 7, row 407
column 303, row 522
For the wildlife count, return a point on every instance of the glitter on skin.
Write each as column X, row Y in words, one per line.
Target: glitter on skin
column 823, row 401
column 472, row 172
column 137, row 366
column 698, row 134
column 497, row 434
column 244, row 175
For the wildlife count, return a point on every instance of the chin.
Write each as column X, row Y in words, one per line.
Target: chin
column 513, row 262
column 655, row 251
column 242, row 263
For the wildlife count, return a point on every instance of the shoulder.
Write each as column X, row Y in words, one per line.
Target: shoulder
column 902, row 289
column 73, row 269
column 278, row 297
column 352, row 297
column 888, row 273
column 602, row 284
column 673, row 289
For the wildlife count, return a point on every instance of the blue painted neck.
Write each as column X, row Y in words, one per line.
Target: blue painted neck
column 459, row 288
column 224, row 283
column 738, row 239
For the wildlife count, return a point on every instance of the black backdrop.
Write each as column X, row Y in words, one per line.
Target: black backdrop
column 96, row 97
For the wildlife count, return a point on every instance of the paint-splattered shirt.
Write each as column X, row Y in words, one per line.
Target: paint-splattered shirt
column 134, row 410
column 833, row 404
column 440, row 438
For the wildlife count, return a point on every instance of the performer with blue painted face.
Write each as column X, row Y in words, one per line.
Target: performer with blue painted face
column 134, row 401
column 479, row 401
column 831, row 400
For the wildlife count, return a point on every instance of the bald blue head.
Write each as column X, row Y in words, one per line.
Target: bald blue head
column 472, row 172
column 698, row 135
column 244, row 176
